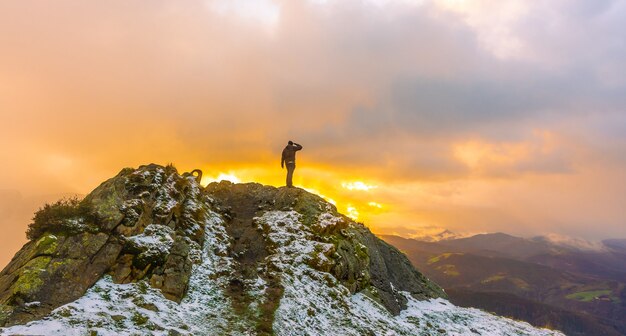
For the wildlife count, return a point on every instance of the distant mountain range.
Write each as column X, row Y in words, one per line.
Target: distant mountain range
column 549, row 281
column 442, row 235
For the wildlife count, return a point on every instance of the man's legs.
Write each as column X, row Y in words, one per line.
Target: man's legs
column 290, row 168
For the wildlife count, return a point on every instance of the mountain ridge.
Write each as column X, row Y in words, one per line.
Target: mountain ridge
column 493, row 269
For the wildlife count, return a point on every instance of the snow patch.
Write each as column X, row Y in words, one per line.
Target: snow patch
column 328, row 220
column 155, row 240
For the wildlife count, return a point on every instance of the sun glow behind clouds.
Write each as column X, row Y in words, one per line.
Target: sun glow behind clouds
column 375, row 205
column 229, row 176
column 348, row 199
column 352, row 212
column 358, row 185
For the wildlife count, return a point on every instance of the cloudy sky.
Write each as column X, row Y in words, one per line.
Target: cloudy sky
column 415, row 115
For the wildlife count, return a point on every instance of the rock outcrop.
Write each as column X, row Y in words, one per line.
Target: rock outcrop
column 141, row 224
column 153, row 252
column 148, row 224
column 357, row 258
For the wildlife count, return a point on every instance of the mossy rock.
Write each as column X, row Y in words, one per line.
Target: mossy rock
column 139, row 319
column 106, row 200
column 5, row 313
column 31, row 276
column 46, row 245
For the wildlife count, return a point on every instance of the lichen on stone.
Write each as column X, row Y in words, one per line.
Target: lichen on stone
column 30, row 278
column 47, row 244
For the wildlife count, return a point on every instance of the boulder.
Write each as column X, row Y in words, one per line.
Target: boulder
column 140, row 224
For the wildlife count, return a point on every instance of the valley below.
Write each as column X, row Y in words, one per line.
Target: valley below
column 576, row 290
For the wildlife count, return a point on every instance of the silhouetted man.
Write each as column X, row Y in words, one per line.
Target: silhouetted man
column 289, row 159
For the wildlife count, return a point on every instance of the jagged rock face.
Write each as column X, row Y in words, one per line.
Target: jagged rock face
column 390, row 272
column 353, row 254
column 141, row 224
column 152, row 252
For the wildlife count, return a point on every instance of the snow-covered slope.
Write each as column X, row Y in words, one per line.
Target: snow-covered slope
column 313, row 300
column 314, row 303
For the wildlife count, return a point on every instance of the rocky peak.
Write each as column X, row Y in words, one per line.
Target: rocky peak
column 352, row 254
column 148, row 224
column 152, row 251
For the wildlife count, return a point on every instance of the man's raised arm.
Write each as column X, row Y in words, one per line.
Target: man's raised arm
column 298, row 147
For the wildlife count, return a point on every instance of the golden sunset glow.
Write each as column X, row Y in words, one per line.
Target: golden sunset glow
column 317, row 192
column 418, row 115
column 352, row 212
column 230, row 176
column 375, row 205
column 358, row 185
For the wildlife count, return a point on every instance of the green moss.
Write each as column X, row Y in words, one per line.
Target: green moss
column 106, row 296
column 47, row 244
column 5, row 312
column 65, row 267
column 30, row 279
column 361, row 251
column 107, row 207
column 65, row 312
column 311, row 207
column 55, row 265
column 139, row 318
column 143, row 286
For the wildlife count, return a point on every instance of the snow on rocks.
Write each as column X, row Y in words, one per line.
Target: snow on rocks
column 292, row 241
column 138, row 309
column 328, row 222
column 156, row 240
column 437, row 316
column 313, row 302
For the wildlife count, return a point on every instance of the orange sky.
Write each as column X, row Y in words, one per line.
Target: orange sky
column 476, row 116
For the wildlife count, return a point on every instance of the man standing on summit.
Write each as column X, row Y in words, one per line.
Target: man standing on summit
column 289, row 158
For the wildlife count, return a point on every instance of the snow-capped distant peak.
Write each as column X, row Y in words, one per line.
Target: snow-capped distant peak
column 430, row 235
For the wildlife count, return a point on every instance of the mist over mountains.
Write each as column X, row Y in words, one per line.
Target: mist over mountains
column 572, row 285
